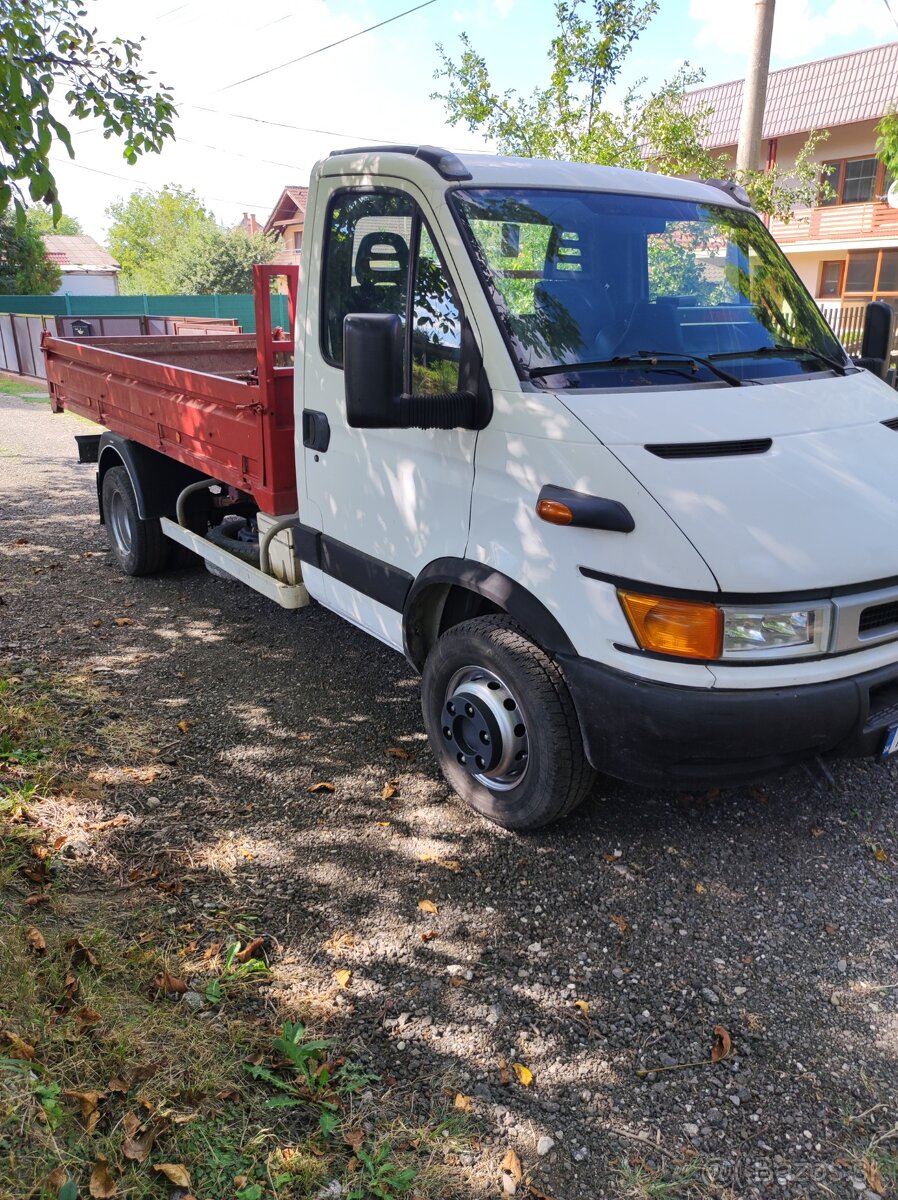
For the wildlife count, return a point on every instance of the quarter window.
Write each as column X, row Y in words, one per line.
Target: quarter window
column 436, row 324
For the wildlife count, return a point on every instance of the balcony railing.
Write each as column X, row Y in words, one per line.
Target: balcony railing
column 837, row 222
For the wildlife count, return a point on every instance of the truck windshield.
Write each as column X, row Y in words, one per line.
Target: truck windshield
column 602, row 290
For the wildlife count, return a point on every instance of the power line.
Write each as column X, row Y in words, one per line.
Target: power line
column 329, row 46
column 286, row 125
column 262, row 204
column 236, row 154
column 356, row 137
column 891, row 14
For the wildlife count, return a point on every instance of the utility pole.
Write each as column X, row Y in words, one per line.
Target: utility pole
column 754, row 94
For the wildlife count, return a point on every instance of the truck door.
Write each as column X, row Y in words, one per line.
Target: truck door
column 387, row 501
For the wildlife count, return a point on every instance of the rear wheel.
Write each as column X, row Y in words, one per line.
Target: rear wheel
column 138, row 546
column 502, row 724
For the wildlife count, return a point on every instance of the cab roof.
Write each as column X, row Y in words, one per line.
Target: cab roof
column 426, row 164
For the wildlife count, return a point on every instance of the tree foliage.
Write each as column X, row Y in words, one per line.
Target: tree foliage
column 41, row 220
column 145, row 233
column 52, row 61
column 212, row 260
column 887, row 142
column 168, row 243
column 25, row 269
column 571, row 116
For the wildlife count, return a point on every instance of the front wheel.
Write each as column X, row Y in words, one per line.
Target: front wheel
column 502, row 724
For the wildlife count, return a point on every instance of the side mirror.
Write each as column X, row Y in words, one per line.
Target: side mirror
column 374, row 377
column 876, row 341
column 373, row 350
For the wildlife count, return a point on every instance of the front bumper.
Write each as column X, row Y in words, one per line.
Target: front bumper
column 661, row 735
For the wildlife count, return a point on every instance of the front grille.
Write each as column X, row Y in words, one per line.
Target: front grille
column 878, row 616
column 710, row 449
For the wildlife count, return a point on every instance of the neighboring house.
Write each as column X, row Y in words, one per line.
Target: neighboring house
column 846, row 248
column 249, row 225
column 87, row 269
column 286, row 222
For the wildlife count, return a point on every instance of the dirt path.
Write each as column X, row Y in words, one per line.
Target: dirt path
column 609, row 945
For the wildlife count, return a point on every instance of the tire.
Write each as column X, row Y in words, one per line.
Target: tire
column 227, row 537
column 517, row 709
column 138, row 546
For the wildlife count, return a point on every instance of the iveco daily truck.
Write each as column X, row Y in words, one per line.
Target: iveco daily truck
column 575, row 440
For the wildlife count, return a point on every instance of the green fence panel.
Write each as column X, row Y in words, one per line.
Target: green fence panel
column 240, row 307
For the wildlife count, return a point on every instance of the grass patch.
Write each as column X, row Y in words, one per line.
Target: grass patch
column 22, row 390
column 132, row 1056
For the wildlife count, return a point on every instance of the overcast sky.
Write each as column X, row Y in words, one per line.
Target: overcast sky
column 377, row 86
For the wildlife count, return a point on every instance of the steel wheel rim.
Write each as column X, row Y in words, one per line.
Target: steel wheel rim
column 119, row 524
column 485, row 729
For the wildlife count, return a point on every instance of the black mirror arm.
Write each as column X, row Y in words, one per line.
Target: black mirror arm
column 442, row 410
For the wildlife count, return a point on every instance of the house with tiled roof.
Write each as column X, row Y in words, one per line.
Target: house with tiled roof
column 87, row 269
column 845, row 248
column 286, row 223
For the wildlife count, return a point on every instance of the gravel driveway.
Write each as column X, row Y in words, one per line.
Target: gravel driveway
column 589, row 954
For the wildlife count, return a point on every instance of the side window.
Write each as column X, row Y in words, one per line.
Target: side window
column 366, row 261
column 436, row 324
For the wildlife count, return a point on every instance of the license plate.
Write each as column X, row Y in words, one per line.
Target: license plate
column 891, row 743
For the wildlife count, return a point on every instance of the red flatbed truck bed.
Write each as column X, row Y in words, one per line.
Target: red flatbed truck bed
column 221, row 405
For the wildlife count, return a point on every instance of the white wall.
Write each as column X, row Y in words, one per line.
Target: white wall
column 91, row 283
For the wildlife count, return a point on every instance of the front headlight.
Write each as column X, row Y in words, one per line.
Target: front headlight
column 775, row 632
column 699, row 629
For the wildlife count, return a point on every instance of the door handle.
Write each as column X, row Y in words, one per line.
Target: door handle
column 316, row 430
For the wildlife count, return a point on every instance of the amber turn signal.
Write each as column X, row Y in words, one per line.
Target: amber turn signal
column 680, row 627
column 554, row 512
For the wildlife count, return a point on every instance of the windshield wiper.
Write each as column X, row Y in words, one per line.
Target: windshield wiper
column 647, row 358
column 786, row 348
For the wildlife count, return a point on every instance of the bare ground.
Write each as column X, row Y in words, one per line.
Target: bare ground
column 592, row 954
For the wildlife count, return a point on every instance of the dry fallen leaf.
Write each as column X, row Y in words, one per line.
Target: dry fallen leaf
column 723, row 1044
column 384, row 824
column 84, row 1018
column 211, row 951
column 355, row 1138
column 184, row 725
column 873, row 1176
column 35, row 940
column 511, row 1165
column 343, row 977
column 448, row 864
column 621, row 922
column 504, row 1073
column 428, row 935
column 325, row 786
column 123, row 621
column 427, row 906
column 175, row 1173
column 880, row 855
column 55, row 1180
column 166, row 982
column 250, row 950
column 700, row 888
column 137, row 1149
column 102, row 1185
column 17, row 1047
column 463, row 1103
column 398, row 752
column 583, row 1005
column 90, row 1107
column 524, row 1074
column 830, row 929
column 390, row 790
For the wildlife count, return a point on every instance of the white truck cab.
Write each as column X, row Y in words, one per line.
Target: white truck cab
column 523, row 461
column 576, row 441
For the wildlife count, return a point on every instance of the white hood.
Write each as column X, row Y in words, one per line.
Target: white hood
column 819, row 509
